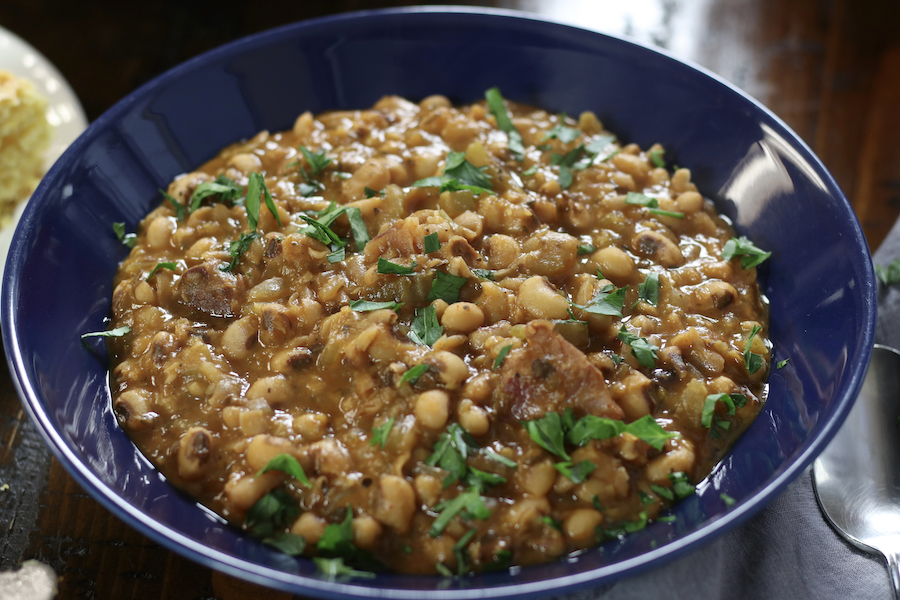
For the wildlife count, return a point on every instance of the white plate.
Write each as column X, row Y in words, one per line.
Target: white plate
column 64, row 112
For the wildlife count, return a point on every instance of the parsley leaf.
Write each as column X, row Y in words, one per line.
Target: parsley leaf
column 782, row 363
column 482, row 479
column 335, row 567
column 412, row 375
column 117, row 332
column 656, row 157
column 425, row 329
column 641, row 348
column 608, row 301
column 600, row 143
column 271, row 513
column 336, row 256
column 709, row 406
column 506, row 462
column 289, row 543
column 484, row 274
column 648, row 290
column 498, row 109
column 647, row 429
column 577, row 473
column 237, row 248
column 651, row 204
column 317, row 160
column 162, row 265
column 446, row 287
column 257, row 185
column 459, row 550
column 286, row 464
column 681, row 485
column 128, row 239
column 367, row 305
column 728, row 500
column 501, row 356
column 380, row 434
column 547, row 432
column 586, row 249
column 357, row 227
column 450, row 453
column 225, row 188
column 469, row 501
column 337, row 539
column 592, row 427
column 432, row 243
column 890, row 274
column 176, row 205
column 562, row 132
column 752, row 361
column 750, row 255
column 386, row 267
column 457, row 167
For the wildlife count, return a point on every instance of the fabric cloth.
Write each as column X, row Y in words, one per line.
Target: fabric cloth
column 786, row 552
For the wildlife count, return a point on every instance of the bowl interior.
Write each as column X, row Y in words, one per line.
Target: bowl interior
column 58, row 278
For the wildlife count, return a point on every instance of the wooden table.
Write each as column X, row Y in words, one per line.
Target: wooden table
column 829, row 68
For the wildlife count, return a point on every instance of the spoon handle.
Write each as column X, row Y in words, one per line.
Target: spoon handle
column 893, row 562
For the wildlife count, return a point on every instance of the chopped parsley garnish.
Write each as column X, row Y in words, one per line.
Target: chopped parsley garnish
column 463, row 564
column 128, row 239
column 577, row 473
column 484, row 274
column 656, row 157
column 641, row 348
column 530, row 171
column 731, row 401
column 648, row 290
column 586, row 249
column 450, row 453
column 502, row 561
column 608, row 301
column 750, row 255
column 317, row 160
column 321, row 233
column 651, row 204
column 412, row 375
column 890, row 274
column 562, row 132
column 782, row 363
column 446, row 287
column 547, row 432
column 286, row 464
column 482, row 479
column 367, row 305
column 225, row 188
column 469, row 503
column 647, row 429
column 289, row 543
column 357, row 227
column 425, row 329
column 176, row 205
column 320, row 228
column 271, row 514
column 380, row 434
column 117, row 332
column 335, row 567
column 501, row 356
column 506, row 462
column 432, row 243
column 592, row 427
column 370, row 193
column 337, row 256
column 386, row 267
column 600, row 143
column 572, row 161
column 554, row 523
column 162, row 265
column 237, row 248
column 459, row 174
column 504, row 123
column 752, row 361
column 681, row 485
column 257, row 185
column 728, row 500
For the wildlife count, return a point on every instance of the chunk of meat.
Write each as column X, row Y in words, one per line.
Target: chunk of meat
column 211, row 291
column 548, row 374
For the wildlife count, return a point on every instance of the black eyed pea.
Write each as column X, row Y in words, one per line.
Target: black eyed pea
column 613, row 262
column 194, row 452
column 452, row 370
column 245, row 162
column 275, row 390
column 182, row 188
column 366, row 531
column 680, row 458
column 133, row 410
column 144, row 293
column 310, row 526
column 432, row 409
column 538, row 478
column 473, row 418
column 658, row 247
column 540, row 300
column 244, row 491
column 580, row 526
column 159, row 232
column 304, row 125
column 311, row 426
column 373, row 174
column 263, row 448
column 462, row 317
column 428, row 489
column 240, row 337
column 395, row 503
column 689, row 202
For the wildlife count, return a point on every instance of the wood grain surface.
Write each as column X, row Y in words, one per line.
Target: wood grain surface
column 829, row 68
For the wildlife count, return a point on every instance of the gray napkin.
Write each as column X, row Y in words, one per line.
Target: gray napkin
column 787, row 551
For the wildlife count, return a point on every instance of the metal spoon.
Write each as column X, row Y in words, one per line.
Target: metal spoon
column 857, row 477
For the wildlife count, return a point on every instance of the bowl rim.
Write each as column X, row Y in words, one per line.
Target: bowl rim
column 173, row 540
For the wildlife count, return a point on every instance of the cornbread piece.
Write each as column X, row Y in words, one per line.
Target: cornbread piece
column 25, row 135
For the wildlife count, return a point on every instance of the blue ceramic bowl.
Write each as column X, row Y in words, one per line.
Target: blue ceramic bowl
column 58, row 276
